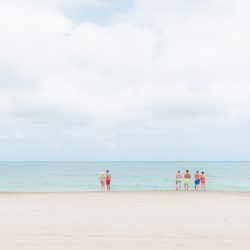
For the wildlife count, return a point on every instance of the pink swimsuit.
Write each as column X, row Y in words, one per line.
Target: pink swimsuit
column 203, row 179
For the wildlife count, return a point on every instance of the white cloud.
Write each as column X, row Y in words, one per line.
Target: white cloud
column 164, row 73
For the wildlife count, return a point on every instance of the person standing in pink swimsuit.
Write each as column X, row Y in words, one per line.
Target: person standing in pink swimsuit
column 203, row 181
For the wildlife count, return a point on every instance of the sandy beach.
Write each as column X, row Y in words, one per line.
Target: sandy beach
column 125, row 220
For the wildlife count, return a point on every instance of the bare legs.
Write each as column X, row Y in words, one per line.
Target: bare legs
column 102, row 186
column 203, row 186
column 178, row 185
column 186, row 186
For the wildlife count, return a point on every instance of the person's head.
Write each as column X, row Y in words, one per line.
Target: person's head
column 187, row 171
column 197, row 172
column 202, row 172
column 107, row 171
column 178, row 171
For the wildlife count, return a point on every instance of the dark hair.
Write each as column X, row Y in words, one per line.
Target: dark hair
column 197, row 171
column 187, row 171
column 107, row 171
column 202, row 172
column 179, row 171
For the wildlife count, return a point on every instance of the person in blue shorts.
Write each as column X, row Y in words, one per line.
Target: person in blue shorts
column 197, row 180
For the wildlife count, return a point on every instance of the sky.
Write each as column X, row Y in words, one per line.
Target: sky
column 127, row 80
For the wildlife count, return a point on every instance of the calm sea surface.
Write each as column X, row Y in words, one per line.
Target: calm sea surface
column 83, row 176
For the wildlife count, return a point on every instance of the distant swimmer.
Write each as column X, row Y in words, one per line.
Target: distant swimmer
column 178, row 180
column 108, row 180
column 197, row 180
column 102, row 179
column 203, row 181
column 187, row 178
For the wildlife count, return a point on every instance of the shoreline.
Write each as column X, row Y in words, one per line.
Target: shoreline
column 128, row 192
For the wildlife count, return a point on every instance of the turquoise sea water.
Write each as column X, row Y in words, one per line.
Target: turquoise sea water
column 83, row 176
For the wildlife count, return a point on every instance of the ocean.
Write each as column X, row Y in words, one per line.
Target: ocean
column 126, row 175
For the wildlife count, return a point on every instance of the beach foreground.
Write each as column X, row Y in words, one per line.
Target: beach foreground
column 125, row 220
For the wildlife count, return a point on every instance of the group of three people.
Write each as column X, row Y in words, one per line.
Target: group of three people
column 198, row 179
column 105, row 180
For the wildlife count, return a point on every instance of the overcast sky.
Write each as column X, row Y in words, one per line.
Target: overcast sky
column 124, row 80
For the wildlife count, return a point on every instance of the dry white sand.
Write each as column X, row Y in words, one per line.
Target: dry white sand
column 125, row 220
